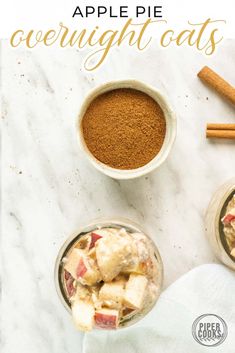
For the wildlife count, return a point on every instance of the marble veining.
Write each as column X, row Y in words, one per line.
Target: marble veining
column 49, row 189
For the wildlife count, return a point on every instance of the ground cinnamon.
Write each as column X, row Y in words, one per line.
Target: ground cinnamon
column 124, row 128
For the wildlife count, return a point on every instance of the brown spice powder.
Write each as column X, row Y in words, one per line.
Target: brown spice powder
column 124, row 128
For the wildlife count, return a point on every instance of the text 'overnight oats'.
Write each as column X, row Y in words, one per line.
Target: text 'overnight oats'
column 124, row 128
column 110, row 276
column 229, row 226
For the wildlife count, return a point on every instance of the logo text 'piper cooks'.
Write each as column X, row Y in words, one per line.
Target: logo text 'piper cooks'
column 209, row 330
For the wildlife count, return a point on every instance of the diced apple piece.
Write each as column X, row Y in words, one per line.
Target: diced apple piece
column 93, row 275
column 227, row 219
column 111, row 293
column 107, row 318
column 82, row 292
column 135, row 291
column 82, row 268
column 233, row 252
column 95, row 296
column 72, row 262
column 112, row 253
column 141, row 268
column 94, row 237
column 140, row 262
column 127, row 312
column 67, row 275
column 83, row 315
column 69, row 283
column 83, row 242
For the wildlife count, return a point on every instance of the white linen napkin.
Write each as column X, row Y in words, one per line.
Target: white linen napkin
column 207, row 289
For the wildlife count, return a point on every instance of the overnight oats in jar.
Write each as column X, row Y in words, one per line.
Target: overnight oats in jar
column 109, row 275
column 220, row 223
column 228, row 222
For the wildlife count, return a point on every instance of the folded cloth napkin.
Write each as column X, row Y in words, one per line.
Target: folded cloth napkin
column 207, row 289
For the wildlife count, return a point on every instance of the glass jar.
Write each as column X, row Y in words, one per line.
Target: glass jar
column 214, row 226
column 97, row 224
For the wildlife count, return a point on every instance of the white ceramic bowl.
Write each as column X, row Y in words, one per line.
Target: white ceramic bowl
column 168, row 141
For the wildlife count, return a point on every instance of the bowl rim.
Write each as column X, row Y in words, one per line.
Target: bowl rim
column 109, row 221
column 169, row 139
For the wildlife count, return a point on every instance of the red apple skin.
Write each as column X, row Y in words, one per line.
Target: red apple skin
column 228, row 219
column 67, row 275
column 94, row 238
column 69, row 283
column 81, row 269
column 106, row 321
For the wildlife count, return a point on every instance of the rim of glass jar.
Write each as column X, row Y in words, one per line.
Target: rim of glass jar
column 105, row 222
column 224, row 256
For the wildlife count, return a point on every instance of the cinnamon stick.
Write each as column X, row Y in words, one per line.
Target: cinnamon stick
column 215, row 81
column 221, row 127
column 225, row 134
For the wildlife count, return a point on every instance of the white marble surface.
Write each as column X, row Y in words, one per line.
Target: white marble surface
column 49, row 189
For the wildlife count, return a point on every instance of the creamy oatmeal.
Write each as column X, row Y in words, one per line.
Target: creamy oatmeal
column 110, row 275
column 229, row 225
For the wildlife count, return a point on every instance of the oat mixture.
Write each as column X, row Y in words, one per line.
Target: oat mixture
column 109, row 275
column 229, row 225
